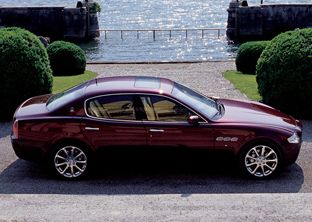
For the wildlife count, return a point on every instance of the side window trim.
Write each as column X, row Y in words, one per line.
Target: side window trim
column 140, row 113
column 138, row 107
column 112, row 119
column 169, row 98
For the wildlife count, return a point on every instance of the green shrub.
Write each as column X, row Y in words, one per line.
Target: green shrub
column 66, row 58
column 95, row 7
column 248, row 55
column 284, row 73
column 24, row 69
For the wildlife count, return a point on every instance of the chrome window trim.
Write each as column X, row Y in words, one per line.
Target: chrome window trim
column 102, row 118
column 139, row 94
column 173, row 99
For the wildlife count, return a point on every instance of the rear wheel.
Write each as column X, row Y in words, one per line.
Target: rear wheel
column 260, row 160
column 70, row 161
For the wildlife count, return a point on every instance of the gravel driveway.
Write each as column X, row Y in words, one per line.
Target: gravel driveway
column 204, row 77
column 29, row 193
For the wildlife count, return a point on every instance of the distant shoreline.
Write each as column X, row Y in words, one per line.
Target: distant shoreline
column 154, row 62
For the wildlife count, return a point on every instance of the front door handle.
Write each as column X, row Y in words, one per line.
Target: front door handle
column 91, row 128
column 157, row 130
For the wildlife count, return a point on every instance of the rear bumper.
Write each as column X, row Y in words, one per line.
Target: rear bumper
column 29, row 150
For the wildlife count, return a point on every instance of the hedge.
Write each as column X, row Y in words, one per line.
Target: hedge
column 248, row 55
column 284, row 73
column 24, row 69
column 66, row 58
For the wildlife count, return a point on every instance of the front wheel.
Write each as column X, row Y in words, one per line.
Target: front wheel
column 70, row 161
column 260, row 160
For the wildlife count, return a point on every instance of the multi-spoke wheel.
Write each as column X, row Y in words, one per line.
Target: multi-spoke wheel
column 260, row 160
column 70, row 161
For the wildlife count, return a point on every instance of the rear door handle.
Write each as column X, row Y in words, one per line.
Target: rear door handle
column 157, row 130
column 91, row 128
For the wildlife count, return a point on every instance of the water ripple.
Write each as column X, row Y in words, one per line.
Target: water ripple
column 157, row 14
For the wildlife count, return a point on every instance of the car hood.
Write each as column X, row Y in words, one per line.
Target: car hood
column 251, row 112
column 33, row 106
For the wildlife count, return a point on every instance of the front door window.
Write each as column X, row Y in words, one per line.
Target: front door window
column 158, row 108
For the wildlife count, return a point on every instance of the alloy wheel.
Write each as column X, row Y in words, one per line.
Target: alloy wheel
column 261, row 161
column 70, row 162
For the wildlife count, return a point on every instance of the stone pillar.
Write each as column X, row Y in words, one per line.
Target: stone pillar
column 250, row 22
column 74, row 23
column 232, row 29
column 93, row 26
column 92, row 20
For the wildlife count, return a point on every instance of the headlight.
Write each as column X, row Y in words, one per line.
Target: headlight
column 294, row 138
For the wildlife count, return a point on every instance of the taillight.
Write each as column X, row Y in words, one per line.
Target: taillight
column 15, row 129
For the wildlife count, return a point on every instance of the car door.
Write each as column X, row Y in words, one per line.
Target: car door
column 166, row 124
column 113, row 121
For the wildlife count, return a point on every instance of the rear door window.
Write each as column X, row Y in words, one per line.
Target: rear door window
column 118, row 107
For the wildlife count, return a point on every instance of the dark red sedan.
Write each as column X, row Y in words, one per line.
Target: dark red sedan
column 67, row 129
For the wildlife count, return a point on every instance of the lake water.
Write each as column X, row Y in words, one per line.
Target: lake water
column 157, row 14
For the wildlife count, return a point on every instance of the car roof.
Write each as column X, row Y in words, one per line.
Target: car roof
column 129, row 84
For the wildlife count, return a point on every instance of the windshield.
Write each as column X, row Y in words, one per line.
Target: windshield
column 66, row 96
column 205, row 105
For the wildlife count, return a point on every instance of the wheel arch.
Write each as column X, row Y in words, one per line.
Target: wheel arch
column 68, row 141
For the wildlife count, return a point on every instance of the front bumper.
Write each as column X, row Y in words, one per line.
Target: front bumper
column 291, row 152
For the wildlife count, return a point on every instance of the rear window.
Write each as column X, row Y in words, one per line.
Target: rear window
column 66, row 96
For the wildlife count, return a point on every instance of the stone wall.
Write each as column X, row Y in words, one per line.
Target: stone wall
column 58, row 23
column 266, row 21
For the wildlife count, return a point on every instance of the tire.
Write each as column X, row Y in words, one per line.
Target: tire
column 70, row 161
column 260, row 160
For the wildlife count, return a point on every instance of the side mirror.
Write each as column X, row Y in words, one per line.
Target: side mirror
column 193, row 119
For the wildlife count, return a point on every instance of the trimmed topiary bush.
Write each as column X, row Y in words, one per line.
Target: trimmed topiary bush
column 248, row 55
column 284, row 73
column 66, row 58
column 24, row 69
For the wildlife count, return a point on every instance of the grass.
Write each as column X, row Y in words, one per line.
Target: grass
column 61, row 83
column 247, row 84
